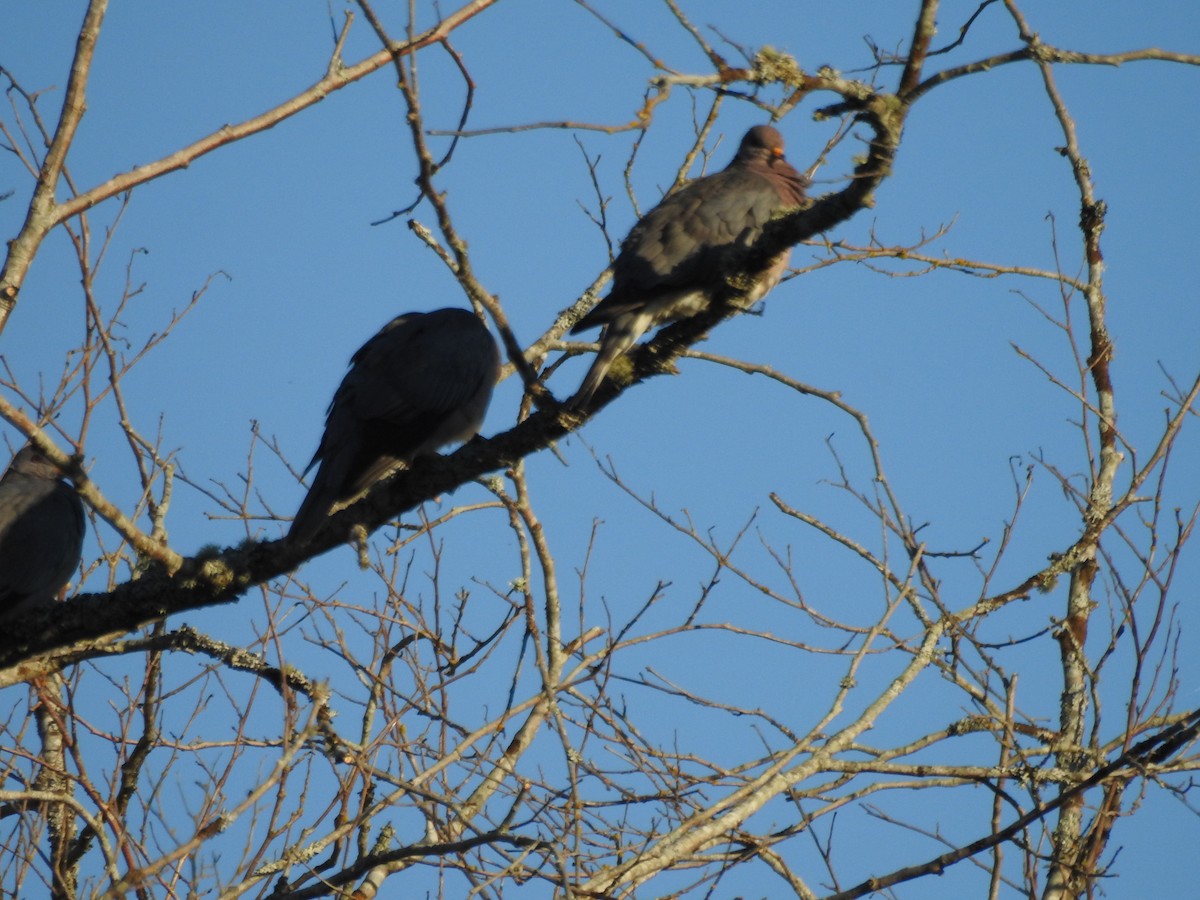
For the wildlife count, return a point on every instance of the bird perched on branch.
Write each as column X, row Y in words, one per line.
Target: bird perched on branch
column 678, row 256
column 41, row 532
column 423, row 381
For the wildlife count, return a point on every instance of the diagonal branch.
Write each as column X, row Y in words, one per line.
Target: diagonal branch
column 42, row 208
column 1154, row 749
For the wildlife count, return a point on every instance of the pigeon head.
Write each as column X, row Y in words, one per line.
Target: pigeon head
column 31, row 462
column 761, row 142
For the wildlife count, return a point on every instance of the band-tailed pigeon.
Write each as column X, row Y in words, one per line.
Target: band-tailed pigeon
column 423, row 381
column 41, row 532
column 677, row 256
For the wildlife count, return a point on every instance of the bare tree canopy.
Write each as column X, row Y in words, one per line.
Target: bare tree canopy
column 880, row 583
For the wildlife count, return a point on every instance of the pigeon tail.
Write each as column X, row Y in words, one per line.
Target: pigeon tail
column 617, row 337
column 314, row 510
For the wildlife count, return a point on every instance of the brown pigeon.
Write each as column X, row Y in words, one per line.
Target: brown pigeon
column 41, row 533
column 423, row 381
column 677, row 256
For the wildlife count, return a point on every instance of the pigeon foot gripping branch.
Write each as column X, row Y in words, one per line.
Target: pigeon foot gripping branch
column 674, row 260
column 425, row 380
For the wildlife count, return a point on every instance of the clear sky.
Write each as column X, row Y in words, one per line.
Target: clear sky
column 302, row 278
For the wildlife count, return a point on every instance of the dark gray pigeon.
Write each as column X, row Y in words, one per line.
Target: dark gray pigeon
column 41, row 533
column 677, row 256
column 423, row 381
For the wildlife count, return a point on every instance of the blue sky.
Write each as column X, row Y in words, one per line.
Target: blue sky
column 285, row 217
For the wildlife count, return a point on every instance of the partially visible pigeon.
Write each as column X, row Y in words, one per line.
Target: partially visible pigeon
column 423, row 381
column 41, row 532
column 676, row 258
